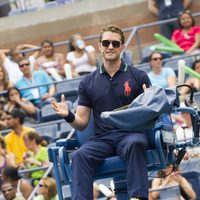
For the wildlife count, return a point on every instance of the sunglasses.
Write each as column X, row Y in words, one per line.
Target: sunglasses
column 115, row 43
column 25, row 64
column 41, row 185
column 158, row 58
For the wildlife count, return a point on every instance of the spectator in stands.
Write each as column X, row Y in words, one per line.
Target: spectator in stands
column 47, row 189
column 169, row 177
column 37, row 155
column 16, row 101
column 3, row 124
column 192, row 81
column 38, row 95
column 6, row 159
column 10, row 62
column 159, row 75
column 14, row 139
column 4, row 82
column 166, row 10
column 8, row 191
column 188, row 36
column 51, row 62
column 23, row 187
column 81, row 57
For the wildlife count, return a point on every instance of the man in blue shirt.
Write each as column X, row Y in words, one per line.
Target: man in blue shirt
column 113, row 85
column 30, row 79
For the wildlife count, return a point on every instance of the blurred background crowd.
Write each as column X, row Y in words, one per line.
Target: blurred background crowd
column 32, row 74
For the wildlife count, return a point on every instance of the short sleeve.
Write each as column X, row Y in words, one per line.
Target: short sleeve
column 170, row 72
column 84, row 99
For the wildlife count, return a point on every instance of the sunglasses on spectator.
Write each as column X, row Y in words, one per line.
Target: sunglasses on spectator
column 25, row 64
column 41, row 185
column 158, row 58
column 115, row 43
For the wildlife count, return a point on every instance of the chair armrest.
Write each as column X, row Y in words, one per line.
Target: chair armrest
column 67, row 143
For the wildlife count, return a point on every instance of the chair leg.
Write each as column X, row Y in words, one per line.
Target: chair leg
column 120, row 188
column 53, row 154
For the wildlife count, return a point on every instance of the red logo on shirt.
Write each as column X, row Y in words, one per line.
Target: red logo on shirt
column 127, row 89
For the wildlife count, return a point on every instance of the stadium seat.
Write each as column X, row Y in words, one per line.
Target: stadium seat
column 160, row 153
column 127, row 56
column 69, row 88
column 47, row 131
column 144, row 67
column 168, row 193
column 64, row 129
column 157, row 158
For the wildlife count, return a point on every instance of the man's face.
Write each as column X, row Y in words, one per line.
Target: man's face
column 24, row 66
column 8, row 191
column 111, row 46
column 10, row 121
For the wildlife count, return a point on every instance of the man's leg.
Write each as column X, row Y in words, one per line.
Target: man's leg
column 131, row 149
column 84, row 162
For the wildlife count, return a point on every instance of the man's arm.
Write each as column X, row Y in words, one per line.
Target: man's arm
column 152, row 7
column 81, row 118
column 35, row 54
column 3, row 54
column 186, row 3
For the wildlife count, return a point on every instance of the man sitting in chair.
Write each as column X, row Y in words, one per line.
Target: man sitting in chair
column 113, row 85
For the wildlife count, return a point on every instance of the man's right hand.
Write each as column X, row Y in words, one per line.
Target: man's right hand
column 60, row 108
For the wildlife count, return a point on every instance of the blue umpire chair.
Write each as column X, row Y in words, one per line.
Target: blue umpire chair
column 160, row 153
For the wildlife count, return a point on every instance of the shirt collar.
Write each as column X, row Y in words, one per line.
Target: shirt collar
column 123, row 67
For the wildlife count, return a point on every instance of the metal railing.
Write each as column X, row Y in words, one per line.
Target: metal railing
column 134, row 32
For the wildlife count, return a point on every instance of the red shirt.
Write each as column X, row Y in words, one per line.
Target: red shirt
column 185, row 41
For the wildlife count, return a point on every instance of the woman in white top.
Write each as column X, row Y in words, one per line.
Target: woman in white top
column 81, row 57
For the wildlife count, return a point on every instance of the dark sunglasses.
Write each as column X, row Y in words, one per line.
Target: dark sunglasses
column 25, row 64
column 115, row 43
column 159, row 58
column 41, row 185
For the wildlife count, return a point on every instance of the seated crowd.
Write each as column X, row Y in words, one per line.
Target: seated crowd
column 22, row 147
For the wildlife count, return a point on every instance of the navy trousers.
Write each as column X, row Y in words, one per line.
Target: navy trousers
column 130, row 147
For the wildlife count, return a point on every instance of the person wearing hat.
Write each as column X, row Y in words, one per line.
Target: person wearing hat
column 14, row 139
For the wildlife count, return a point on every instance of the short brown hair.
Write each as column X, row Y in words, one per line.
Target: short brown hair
column 113, row 29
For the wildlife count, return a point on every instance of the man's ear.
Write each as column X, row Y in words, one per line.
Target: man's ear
column 100, row 48
column 122, row 46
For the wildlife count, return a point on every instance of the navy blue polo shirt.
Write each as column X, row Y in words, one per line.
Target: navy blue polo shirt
column 102, row 93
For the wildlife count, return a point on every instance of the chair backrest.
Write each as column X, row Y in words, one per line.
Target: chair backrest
column 48, row 130
column 87, row 133
column 69, row 88
column 128, row 57
column 170, row 193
